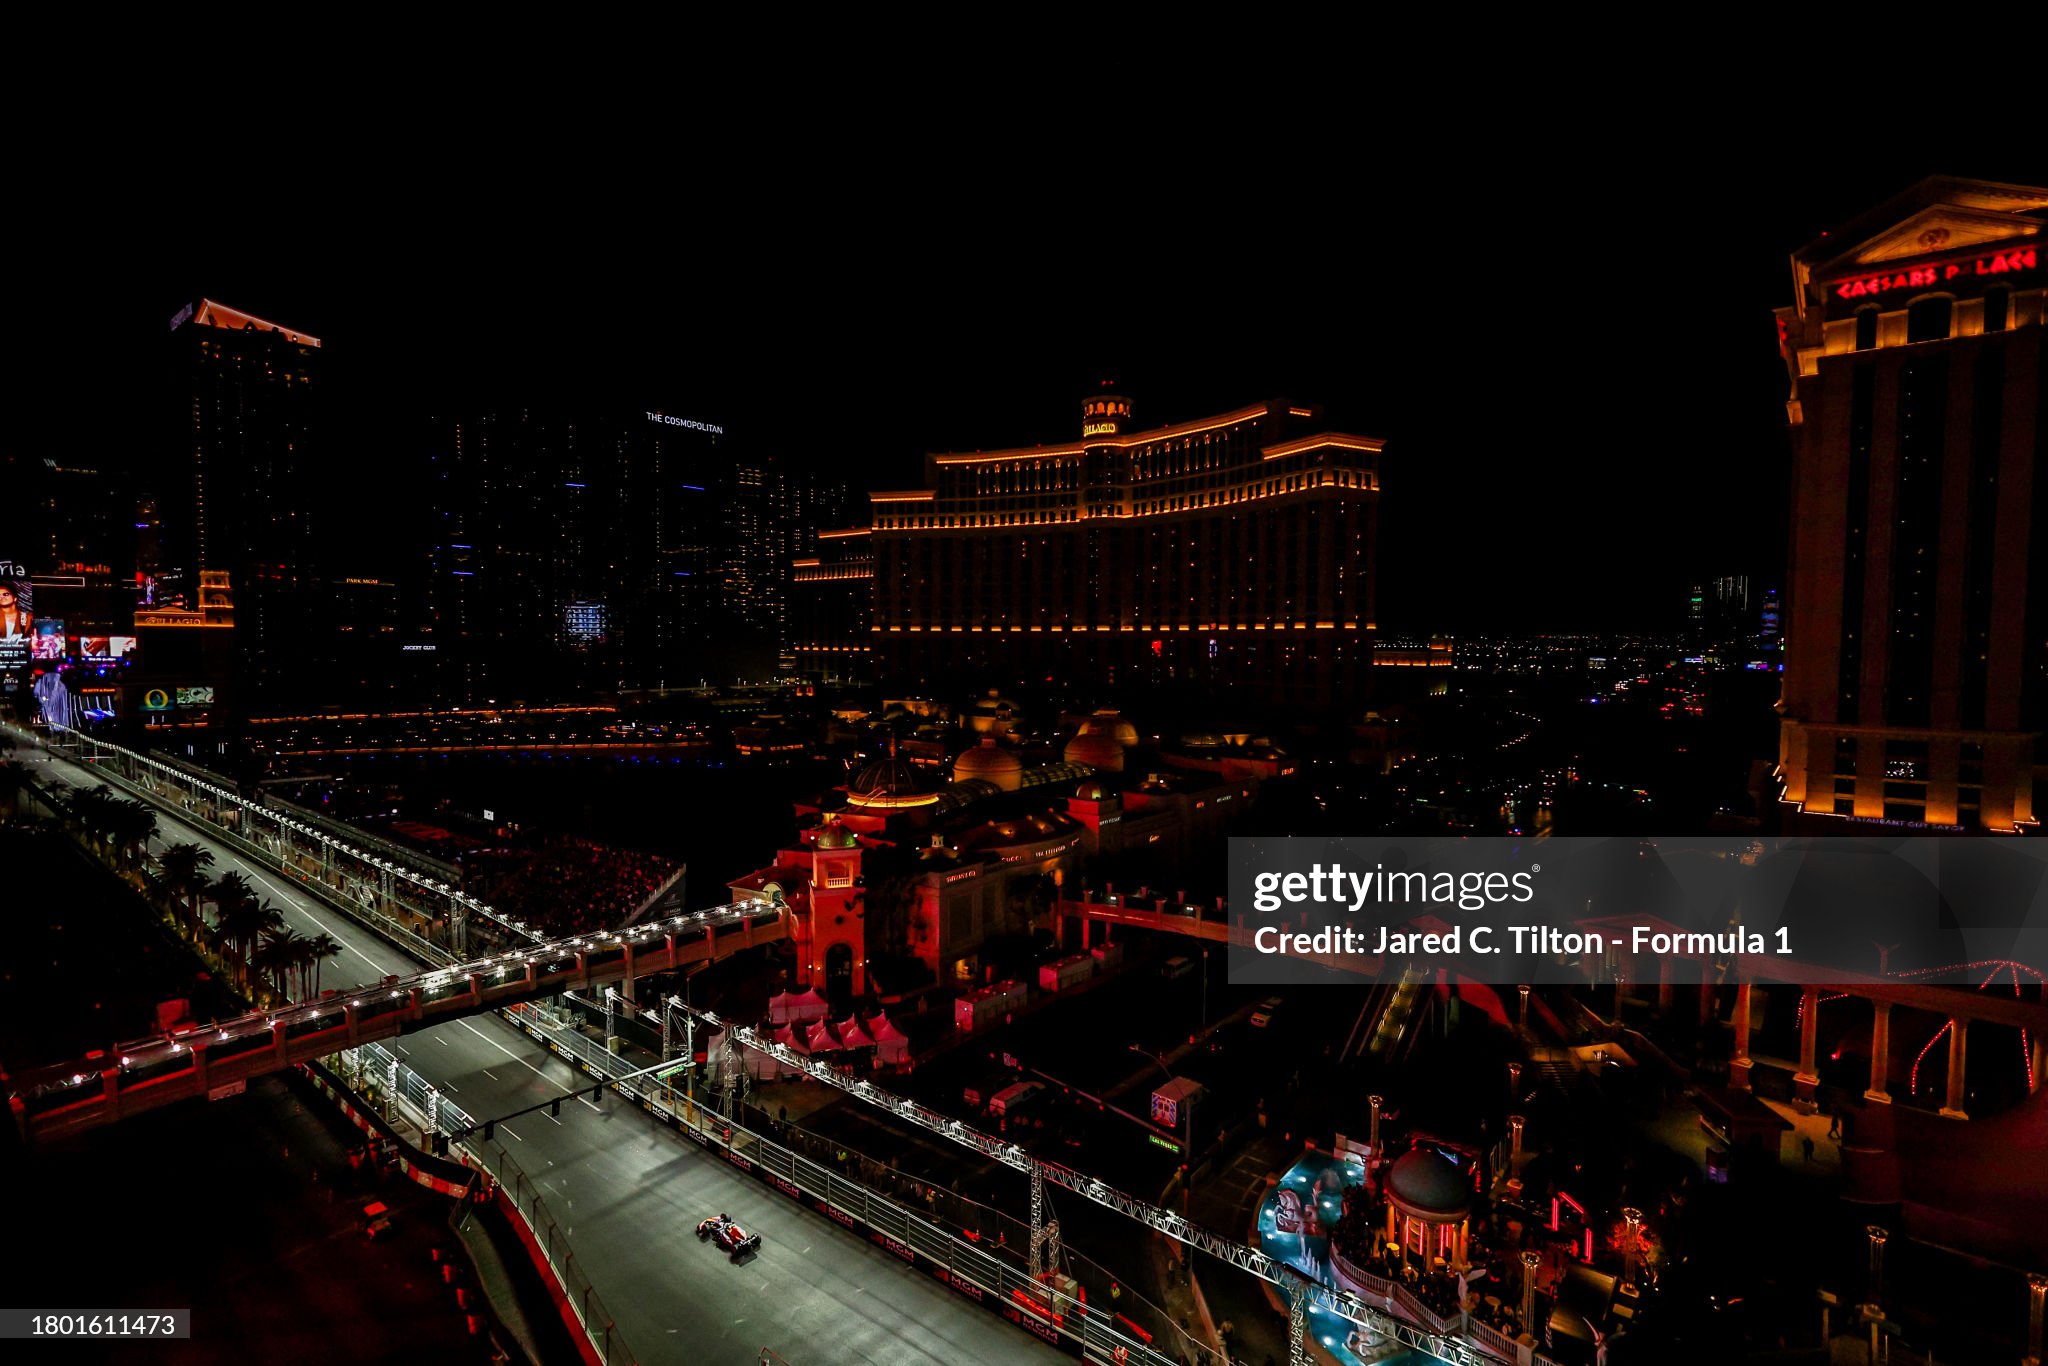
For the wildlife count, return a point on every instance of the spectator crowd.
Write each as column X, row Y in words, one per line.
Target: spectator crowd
column 568, row 885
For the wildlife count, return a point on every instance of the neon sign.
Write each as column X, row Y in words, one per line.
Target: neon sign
column 1922, row 277
column 1098, row 429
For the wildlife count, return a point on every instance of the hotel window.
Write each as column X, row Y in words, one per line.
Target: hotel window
column 1929, row 319
column 1970, row 763
column 1997, row 305
column 1866, row 328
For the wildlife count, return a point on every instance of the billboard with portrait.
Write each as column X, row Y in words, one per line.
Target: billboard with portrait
column 122, row 647
column 49, row 639
column 17, row 619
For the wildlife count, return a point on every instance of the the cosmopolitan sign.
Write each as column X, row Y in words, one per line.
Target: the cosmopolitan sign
column 1940, row 273
column 690, row 422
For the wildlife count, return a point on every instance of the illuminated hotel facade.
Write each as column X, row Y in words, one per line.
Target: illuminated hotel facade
column 1914, row 658
column 1233, row 550
column 245, row 489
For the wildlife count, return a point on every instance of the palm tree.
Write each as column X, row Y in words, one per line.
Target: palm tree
column 318, row 950
column 275, row 957
column 133, row 826
column 184, row 870
column 94, row 808
column 240, row 924
column 229, row 889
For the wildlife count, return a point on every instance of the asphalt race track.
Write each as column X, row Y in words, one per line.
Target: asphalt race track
column 628, row 1193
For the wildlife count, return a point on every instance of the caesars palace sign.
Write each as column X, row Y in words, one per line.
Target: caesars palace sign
column 1939, row 273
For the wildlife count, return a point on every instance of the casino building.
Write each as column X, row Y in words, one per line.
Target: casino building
column 1233, row 549
column 1917, row 608
column 901, row 863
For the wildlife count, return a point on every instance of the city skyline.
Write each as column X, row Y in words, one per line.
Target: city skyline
column 866, row 370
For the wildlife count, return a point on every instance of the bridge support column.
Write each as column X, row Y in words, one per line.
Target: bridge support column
column 1806, row 1081
column 1739, row 1064
column 626, row 985
column 1958, row 1057
column 200, row 1069
column 1880, row 1053
column 1297, row 1322
column 277, row 1043
column 348, row 1015
column 110, row 1087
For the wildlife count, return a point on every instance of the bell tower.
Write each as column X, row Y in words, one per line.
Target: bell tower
column 1104, row 414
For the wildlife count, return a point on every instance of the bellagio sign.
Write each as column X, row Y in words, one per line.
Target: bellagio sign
column 1941, row 272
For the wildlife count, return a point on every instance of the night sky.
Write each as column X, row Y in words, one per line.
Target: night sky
column 1568, row 348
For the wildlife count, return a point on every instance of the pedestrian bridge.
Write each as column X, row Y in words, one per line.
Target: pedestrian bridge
column 219, row 1059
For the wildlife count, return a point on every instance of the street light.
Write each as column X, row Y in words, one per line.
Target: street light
column 1633, row 1218
column 2037, row 1295
column 1530, row 1261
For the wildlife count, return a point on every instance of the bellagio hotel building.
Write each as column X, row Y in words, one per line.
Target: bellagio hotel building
column 1235, row 550
column 1918, row 607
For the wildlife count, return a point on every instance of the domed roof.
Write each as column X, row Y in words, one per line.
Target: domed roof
column 836, row 836
column 1093, row 791
column 1108, row 721
column 1095, row 749
column 892, row 781
column 892, row 775
column 990, row 762
column 1429, row 1185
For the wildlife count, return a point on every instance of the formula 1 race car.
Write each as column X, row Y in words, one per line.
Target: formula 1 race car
column 729, row 1235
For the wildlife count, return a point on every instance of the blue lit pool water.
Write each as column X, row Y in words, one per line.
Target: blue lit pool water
column 1317, row 1182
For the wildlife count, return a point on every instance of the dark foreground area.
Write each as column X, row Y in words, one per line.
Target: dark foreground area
column 247, row 1211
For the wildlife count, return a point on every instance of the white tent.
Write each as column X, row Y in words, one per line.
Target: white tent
column 779, row 1007
column 808, row 1006
column 851, row 1035
column 892, row 1044
column 789, row 1036
column 821, row 1039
